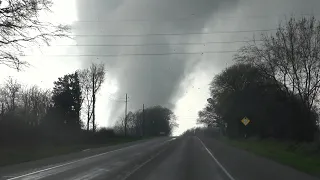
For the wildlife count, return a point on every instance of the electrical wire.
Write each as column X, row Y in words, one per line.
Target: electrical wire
column 170, row 34
column 160, row 44
column 113, row 99
column 193, row 17
column 136, row 54
column 116, row 100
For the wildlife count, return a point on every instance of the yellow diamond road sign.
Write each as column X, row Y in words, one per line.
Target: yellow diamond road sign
column 245, row 121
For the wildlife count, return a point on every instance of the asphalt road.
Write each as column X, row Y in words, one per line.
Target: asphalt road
column 183, row 158
column 104, row 163
column 186, row 159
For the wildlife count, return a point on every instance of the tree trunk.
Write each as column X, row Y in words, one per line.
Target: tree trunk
column 2, row 110
column 88, row 120
column 93, row 103
column 93, row 112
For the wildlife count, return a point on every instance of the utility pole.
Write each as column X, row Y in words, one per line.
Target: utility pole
column 125, row 116
column 143, row 131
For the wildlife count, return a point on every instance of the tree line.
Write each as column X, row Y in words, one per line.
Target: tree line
column 31, row 114
column 152, row 121
column 274, row 82
column 66, row 113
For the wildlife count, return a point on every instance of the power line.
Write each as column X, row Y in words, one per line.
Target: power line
column 147, row 20
column 143, row 20
column 139, row 54
column 171, row 34
column 188, row 18
column 113, row 99
column 116, row 100
column 160, row 44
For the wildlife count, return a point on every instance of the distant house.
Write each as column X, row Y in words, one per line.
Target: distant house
column 162, row 133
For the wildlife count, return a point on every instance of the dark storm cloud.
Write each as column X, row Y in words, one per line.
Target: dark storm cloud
column 147, row 79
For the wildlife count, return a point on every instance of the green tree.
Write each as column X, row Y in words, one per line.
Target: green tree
column 155, row 121
column 241, row 91
column 291, row 57
column 67, row 100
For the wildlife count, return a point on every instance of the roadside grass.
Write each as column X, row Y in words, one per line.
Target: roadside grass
column 18, row 154
column 303, row 156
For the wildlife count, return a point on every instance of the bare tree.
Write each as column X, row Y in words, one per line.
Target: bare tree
column 20, row 26
column 91, row 81
column 86, row 87
column 119, row 126
column 98, row 77
column 35, row 103
column 9, row 93
column 291, row 57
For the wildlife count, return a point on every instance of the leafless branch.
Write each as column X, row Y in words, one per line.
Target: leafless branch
column 20, row 26
column 290, row 56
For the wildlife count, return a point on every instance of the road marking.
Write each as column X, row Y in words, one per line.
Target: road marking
column 92, row 174
column 216, row 160
column 72, row 162
column 147, row 161
column 86, row 150
column 42, row 175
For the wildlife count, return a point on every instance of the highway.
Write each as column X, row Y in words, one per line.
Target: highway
column 181, row 158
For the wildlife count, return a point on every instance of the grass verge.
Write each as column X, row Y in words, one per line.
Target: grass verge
column 17, row 154
column 304, row 156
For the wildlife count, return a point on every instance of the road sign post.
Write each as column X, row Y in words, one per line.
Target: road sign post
column 245, row 121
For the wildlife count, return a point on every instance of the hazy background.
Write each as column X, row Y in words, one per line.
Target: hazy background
column 178, row 81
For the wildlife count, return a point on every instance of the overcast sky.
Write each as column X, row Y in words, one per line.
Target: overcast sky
column 178, row 81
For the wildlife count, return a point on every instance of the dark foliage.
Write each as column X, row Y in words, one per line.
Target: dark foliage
column 153, row 121
column 67, row 100
column 35, row 116
column 240, row 91
column 275, row 84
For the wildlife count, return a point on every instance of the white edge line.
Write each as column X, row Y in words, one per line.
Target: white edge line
column 147, row 161
column 216, row 160
column 72, row 162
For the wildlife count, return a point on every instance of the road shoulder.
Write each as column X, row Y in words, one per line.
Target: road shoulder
column 248, row 166
column 60, row 159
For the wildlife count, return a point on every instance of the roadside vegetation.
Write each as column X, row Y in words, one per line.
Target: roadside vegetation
column 275, row 83
column 301, row 156
column 36, row 122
